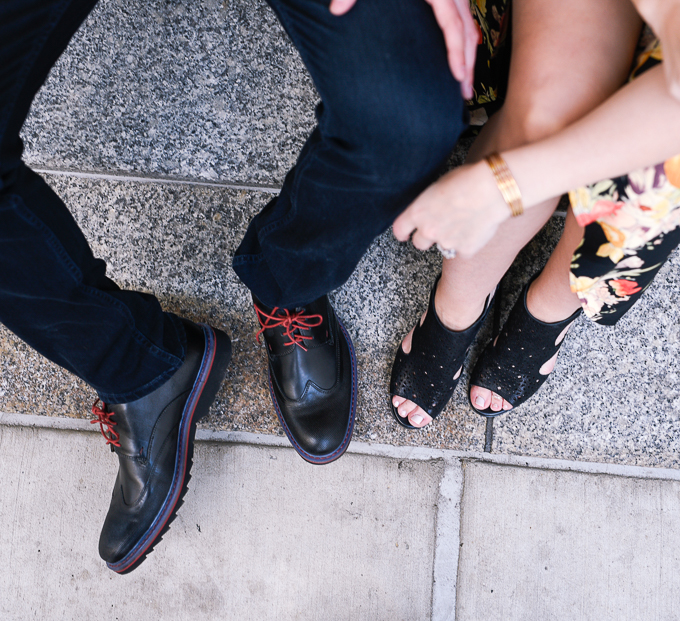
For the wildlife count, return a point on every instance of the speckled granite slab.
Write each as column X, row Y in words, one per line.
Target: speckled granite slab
column 207, row 89
column 615, row 396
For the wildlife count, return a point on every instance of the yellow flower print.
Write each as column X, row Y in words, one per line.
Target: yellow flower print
column 608, row 250
column 616, row 237
column 672, row 169
column 582, row 283
column 653, row 50
column 579, row 198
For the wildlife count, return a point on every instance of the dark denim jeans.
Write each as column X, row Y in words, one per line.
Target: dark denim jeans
column 390, row 115
column 53, row 293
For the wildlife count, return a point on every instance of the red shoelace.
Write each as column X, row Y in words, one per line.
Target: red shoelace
column 292, row 324
column 104, row 419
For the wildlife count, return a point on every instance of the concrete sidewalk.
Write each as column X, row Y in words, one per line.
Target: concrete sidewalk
column 386, row 533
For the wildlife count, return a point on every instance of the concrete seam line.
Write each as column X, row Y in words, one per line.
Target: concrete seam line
column 460, row 533
column 447, row 542
column 159, row 180
column 375, row 450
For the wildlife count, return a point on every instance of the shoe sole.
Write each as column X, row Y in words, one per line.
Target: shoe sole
column 337, row 453
column 213, row 368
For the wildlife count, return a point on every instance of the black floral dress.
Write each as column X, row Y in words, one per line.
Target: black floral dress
column 632, row 222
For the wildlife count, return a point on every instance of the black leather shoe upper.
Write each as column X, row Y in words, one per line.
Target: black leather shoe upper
column 511, row 363
column 312, row 377
column 154, row 447
column 428, row 374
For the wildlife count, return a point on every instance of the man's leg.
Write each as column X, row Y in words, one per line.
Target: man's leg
column 55, row 295
column 390, row 115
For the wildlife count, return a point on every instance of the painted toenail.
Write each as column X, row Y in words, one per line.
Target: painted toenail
column 417, row 419
column 479, row 401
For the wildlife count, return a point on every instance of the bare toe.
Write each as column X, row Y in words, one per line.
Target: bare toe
column 405, row 408
column 397, row 401
column 480, row 397
column 419, row 418
column 496, row 402
column 483, row 399
column 415, row 414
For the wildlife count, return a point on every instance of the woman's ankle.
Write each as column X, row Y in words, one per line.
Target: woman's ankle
column 457, row 312
column 458, row 317
column 551, row 302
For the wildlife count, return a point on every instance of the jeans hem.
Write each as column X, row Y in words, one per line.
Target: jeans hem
column 143, row 391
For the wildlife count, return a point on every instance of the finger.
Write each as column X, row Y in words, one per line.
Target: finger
column 421, row 242
column 473, row 34
column 448, row 17
column 671, row 64
column 403, row 226
column 673, row 80
column 340, row 7
column 472, row 38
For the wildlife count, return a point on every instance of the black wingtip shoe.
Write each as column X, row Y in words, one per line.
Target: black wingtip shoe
column 312, row 377
column 154, row 440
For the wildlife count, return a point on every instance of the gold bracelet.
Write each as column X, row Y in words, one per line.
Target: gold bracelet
column 506, row 183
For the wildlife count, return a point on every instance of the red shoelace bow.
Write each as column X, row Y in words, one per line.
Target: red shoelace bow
column 104, row 418
column 292, row 324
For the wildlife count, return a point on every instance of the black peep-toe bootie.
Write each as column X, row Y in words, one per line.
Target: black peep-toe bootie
column 428, row 375
column 510, row 364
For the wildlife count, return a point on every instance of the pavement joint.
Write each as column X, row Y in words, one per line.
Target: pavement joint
column 99, row 176
column 447, row 541
column 415, row 453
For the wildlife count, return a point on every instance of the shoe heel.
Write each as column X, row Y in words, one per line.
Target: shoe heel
column 498, row 299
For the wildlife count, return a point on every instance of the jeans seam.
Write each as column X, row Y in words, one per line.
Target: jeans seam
column 241, row 259
column 272, row 226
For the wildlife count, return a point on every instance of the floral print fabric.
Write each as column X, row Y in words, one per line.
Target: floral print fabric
column 632, row 223
column 492, row 65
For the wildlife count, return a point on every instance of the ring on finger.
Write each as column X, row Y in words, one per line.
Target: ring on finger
column 447, row 253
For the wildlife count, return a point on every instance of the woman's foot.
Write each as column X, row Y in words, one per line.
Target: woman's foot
column 484, row 399
column 546, row 305
column 456, row 320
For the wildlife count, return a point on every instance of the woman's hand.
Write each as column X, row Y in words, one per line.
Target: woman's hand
column 461, row 211
column 460, row 34
column 663, row 17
